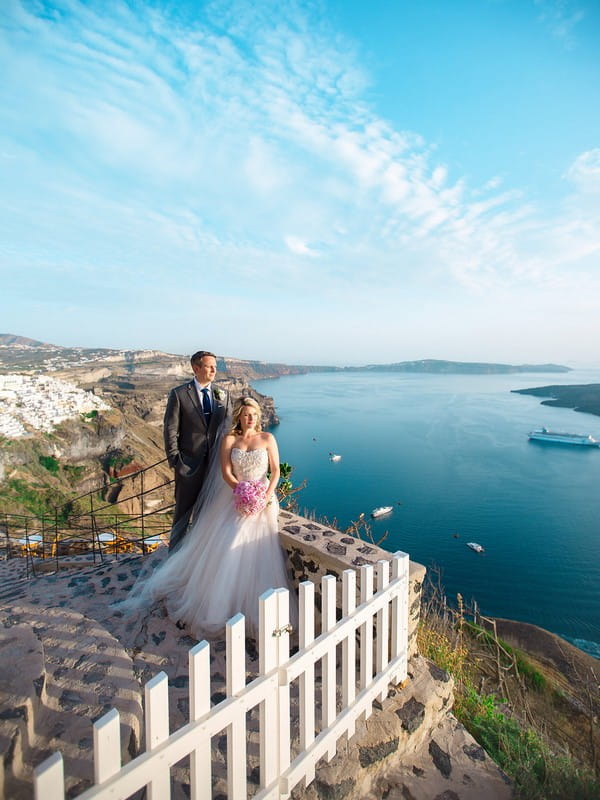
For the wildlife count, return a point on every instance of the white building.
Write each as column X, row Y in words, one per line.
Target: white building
column 41, row 402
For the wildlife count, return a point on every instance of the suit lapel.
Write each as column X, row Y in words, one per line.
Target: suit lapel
column 193, row 395
column 218, row 411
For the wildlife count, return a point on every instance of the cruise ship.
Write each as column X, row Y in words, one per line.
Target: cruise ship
column 544, row 435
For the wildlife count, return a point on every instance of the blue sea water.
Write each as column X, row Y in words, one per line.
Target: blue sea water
column 451, row 454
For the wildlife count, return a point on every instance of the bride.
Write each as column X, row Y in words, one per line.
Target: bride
column 231, row 554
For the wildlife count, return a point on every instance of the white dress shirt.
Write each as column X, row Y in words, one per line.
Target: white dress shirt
column 210, row 393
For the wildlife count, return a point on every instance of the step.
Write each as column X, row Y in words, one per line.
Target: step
column 70, row 671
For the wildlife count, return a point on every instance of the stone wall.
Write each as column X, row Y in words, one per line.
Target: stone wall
column 315, row 550
column 411, row 746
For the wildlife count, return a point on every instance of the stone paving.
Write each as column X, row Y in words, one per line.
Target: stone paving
column 83, row 656
column 96, row 658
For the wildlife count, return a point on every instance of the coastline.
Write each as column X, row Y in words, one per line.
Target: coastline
column 584, row 398
column 556, row 652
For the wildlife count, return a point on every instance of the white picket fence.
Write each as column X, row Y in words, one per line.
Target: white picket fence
column 349, row 683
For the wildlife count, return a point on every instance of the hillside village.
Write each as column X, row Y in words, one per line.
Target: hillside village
column 41, row 402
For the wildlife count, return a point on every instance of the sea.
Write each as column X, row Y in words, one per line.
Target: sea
column 451, row 454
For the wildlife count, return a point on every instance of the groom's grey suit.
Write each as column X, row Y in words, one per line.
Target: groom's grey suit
column 188, row 444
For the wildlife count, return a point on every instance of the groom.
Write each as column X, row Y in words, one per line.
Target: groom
column 195, row 412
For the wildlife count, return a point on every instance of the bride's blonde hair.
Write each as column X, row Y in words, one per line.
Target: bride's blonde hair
column 240, row 404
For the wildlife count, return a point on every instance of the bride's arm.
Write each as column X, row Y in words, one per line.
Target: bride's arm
column 273, row 453
column 226, row 466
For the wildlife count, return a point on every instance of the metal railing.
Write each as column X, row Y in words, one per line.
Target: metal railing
column 94, row 523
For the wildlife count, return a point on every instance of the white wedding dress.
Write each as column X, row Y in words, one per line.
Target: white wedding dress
column 226, row 560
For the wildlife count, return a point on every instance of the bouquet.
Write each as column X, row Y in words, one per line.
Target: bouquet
column 249, row 497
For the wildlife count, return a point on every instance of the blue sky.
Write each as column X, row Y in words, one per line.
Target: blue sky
column 314, row 182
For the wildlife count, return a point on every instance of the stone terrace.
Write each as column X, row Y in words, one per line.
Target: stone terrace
column 67, row 656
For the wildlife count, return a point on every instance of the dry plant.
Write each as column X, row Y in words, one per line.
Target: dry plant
column 359, row 528
column 512, row 705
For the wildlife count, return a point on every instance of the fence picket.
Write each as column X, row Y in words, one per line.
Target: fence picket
column 200, row 765
column 156, row 697
column 349, row 643
column 267, row 654
column 328, row 685
column 399, row 620
column 366, row 630
column 49, row 779
column 282, row 637
column 107, row 746
column 307, row 678
column 383, row 624
column 235, row 632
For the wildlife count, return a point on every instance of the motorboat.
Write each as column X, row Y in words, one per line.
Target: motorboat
column 545, row 435
column 477, row 547
column 381, row 511
column 334, row 457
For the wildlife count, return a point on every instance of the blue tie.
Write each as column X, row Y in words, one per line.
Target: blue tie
column 206, row 408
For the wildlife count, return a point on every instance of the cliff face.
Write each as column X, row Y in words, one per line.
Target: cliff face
column 255, row 370
column 76, row 441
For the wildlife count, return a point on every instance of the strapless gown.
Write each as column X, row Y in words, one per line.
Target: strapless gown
column 226, row 560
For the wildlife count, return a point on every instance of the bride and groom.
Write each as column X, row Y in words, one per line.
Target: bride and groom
column 224, row 550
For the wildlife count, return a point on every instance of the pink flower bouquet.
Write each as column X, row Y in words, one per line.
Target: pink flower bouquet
column 249, row 497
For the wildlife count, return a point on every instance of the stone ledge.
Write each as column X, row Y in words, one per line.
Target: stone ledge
column 411, row 748
column 315, row 550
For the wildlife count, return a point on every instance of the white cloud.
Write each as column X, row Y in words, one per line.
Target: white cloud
column 561, row 18
column 584, row 172
column 298, row 246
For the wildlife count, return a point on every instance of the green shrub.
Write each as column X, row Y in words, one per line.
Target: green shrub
column 49, row 463
column 117, row 461
column 536, row 771
column 39, row 501
column 533, row 676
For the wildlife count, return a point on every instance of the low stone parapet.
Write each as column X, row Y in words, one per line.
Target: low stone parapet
column 410, row 747
column 315, row 550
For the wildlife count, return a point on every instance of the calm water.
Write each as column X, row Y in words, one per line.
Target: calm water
column 453, row 450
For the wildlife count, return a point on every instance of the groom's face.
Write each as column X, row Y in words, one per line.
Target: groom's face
column 205, row 370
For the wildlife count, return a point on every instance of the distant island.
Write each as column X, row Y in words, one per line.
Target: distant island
column 584, row 398
column 460, row 367
column 19, row 353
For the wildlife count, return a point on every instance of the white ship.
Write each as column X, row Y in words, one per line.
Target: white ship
column 335, row 457
column 474, row 546
column 544, row 435
column 381, row 511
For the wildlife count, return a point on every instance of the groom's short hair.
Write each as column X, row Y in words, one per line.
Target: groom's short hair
column 199, row 355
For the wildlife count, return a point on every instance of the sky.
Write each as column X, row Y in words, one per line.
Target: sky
column 311, row 182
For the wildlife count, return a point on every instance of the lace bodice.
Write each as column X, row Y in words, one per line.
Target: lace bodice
column 249, row 465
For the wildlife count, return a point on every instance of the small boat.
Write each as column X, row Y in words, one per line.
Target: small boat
column 477, row 547
column 334, row 457
column 381, row 511
column 545, row 435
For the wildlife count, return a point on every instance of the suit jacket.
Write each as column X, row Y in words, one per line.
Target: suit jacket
column 188, row 440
